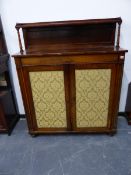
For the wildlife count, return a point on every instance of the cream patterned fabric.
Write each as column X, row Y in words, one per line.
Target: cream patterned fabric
column 92, row 97
column 49, row 98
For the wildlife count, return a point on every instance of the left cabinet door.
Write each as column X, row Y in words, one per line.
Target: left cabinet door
column 48, row 98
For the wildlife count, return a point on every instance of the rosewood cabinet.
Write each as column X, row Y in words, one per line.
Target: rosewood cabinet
column 70, row 75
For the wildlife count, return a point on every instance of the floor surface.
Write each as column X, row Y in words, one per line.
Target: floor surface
column 20, row 154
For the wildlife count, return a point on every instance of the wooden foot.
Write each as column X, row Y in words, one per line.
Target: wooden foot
column 33, row 135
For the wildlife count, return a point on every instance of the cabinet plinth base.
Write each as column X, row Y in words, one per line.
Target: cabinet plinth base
column 38, row 133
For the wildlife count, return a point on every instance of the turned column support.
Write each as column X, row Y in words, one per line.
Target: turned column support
column 19, row 39
column 118, row 34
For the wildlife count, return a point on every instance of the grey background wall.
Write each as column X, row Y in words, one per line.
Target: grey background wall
column 13, row 11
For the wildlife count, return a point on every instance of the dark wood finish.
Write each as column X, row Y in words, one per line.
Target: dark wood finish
column 3, row 123
column 8, row 111
column 3, row 48
column 67, row 96
column 71, row 45
column 116, row 94
column 65, row 35
column 128, row 104
column 71, row 22
column 44, row 36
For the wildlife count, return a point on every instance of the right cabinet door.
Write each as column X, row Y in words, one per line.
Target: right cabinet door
column 92, row 92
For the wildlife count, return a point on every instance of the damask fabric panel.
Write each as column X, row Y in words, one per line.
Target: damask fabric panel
column 49, row 98
column 92, row 97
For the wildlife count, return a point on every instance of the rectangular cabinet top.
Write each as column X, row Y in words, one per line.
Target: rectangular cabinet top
column 70, row 22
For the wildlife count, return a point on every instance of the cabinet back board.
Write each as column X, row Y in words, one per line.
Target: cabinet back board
column 50, row 36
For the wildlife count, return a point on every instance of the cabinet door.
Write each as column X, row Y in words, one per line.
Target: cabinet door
column 92, row 95
column 47, row 96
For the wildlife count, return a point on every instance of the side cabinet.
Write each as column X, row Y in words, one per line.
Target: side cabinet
column 70, row 75
column 72, row 96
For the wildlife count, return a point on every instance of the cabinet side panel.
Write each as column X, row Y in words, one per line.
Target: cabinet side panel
column 49, row 98
column 92, row 97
